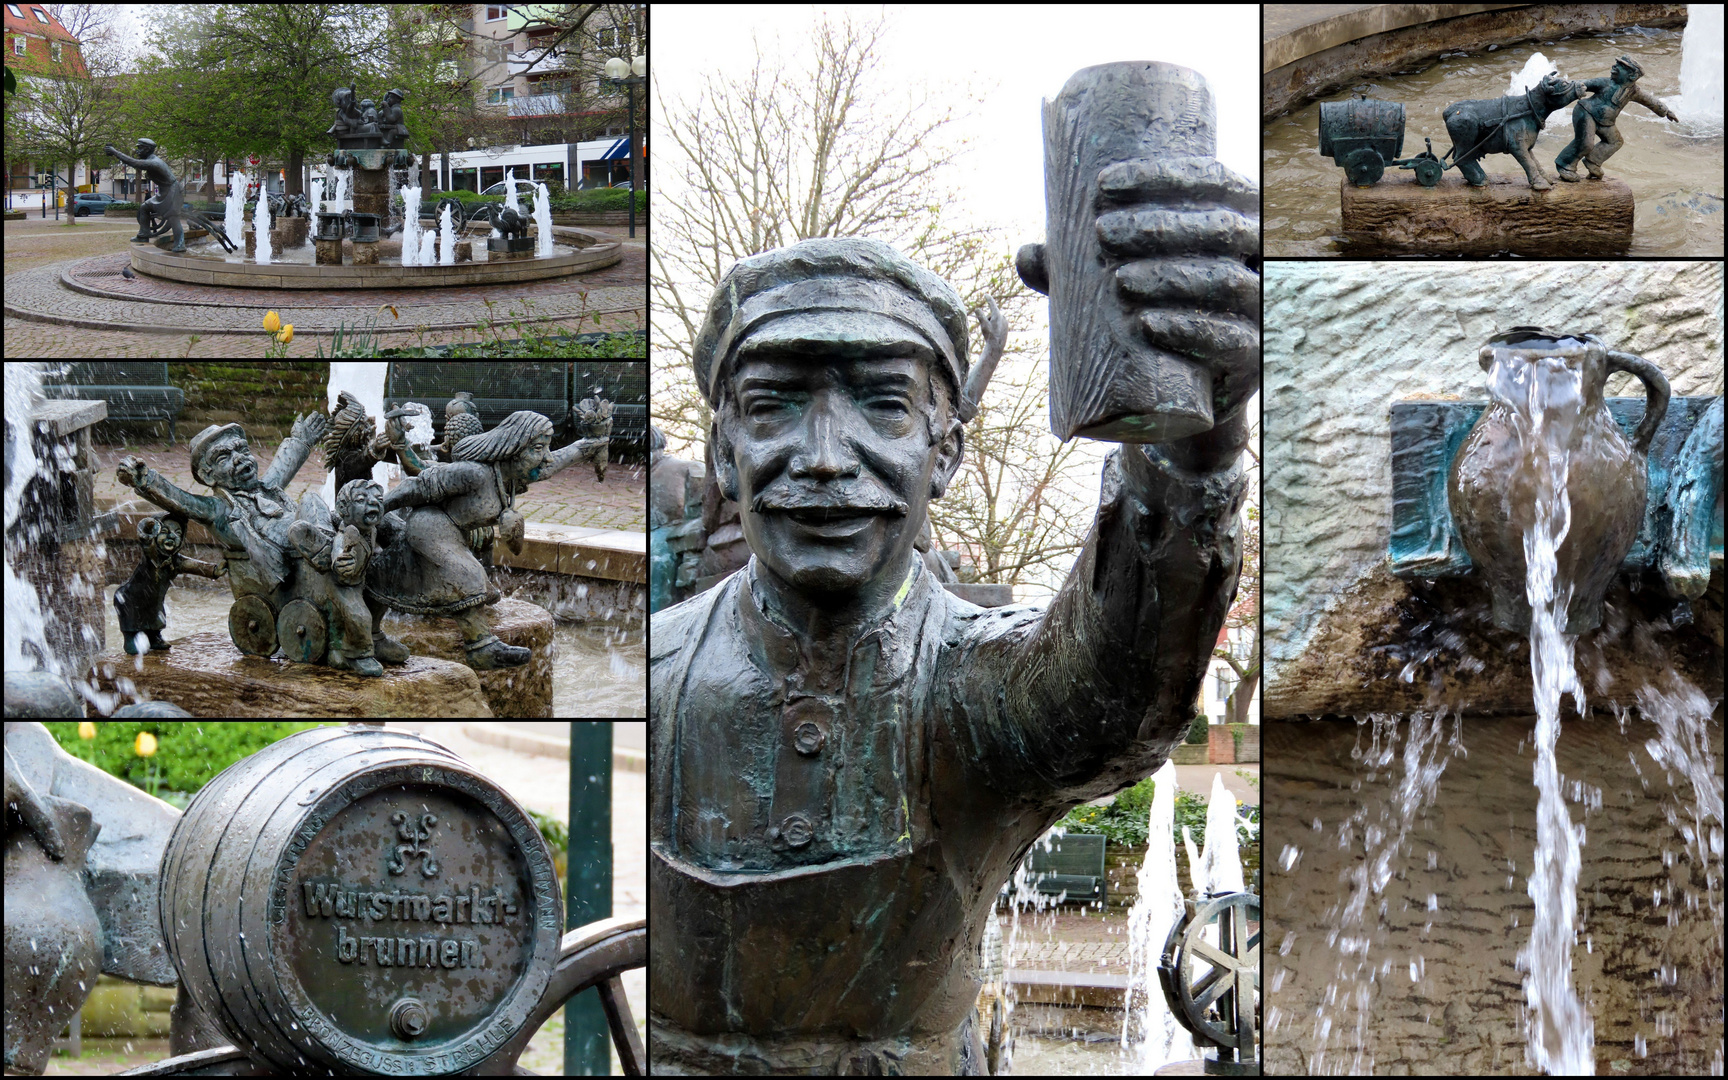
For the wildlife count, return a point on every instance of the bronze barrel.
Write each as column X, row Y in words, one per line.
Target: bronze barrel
column 361, row 900
column 1362, row 136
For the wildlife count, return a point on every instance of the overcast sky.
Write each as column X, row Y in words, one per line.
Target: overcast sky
column 1013, row 55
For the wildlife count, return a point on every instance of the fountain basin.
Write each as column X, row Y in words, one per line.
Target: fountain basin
column 198, row 270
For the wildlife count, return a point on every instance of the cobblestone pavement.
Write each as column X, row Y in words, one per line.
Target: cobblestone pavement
column 160, row 318
column 572, row 497
column 1068, row 940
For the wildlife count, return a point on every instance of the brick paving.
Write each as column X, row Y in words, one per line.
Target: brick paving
column 572, row 497
column 47, row 264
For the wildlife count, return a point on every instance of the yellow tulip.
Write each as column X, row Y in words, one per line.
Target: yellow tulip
column 287, row 334
column 145, row 746
column 86, row 730
column 271, row 322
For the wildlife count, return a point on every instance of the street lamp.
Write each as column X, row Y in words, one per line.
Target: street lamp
column 618, row 71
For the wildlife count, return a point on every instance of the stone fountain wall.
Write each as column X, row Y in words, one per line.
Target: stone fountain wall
column 1647, row 965
column 1345, row 341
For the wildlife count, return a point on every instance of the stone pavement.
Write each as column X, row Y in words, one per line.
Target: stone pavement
column 65, row 297
column 572, row 497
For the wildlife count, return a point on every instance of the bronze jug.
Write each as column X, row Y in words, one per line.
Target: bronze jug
column 1492, row 488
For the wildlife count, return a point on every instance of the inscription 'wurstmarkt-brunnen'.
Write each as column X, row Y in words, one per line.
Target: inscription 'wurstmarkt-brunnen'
column 339, row 901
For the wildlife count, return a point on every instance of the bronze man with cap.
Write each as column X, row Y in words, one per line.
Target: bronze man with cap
column 848, row 760
column 249, row 513
column 1595, row 138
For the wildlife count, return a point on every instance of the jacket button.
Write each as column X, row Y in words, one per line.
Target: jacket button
column 796, row 830
column 809, row 737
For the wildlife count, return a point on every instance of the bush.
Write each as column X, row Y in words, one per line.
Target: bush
column 1197, row 730
column 188, row 754
column 1125, row 819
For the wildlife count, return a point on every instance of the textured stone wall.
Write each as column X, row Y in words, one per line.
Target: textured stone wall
column 1345, row 341
column 1439, row 987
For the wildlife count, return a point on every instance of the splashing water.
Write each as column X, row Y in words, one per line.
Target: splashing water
column 1221, row 858
column 1699, row 104
column 411, row 227
column 1381, row 827
column 261, row 225
column 543, row 220
column 446, row 238
column 1528, row 77
column 1546, row 400
column 1158, row 907
column 23, row 609
column 234, row 220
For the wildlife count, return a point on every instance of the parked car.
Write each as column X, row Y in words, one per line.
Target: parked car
column 90, row 203
column 521, row 185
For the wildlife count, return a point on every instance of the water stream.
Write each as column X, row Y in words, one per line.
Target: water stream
column 1150, row 1034
column 1546, row 399
column 1675, row 170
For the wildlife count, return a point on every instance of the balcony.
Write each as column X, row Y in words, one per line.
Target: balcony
column 559, row 60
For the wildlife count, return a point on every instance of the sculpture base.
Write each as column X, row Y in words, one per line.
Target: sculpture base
column 327, row 252
column 207, row 676
column 366, row 254
column 1399, row 216
column 517, row 691
column 504, row 248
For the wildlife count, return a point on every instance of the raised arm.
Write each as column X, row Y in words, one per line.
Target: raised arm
column 295, row 449
column 136, row 163
column 135, row 474
column 1098, row 690
column 1653, row 103
column 593, row 450
column 438, row 484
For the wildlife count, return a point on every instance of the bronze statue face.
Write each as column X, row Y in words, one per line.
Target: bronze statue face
column 170, row 536
column 533, row 456
column 229, row 464
column 833, row 463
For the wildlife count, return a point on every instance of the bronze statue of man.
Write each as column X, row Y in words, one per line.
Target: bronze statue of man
column 1595, row 138
column 848, row 760
column 170, row 194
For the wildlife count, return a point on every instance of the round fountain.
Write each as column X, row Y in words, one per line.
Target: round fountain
column 346, row 241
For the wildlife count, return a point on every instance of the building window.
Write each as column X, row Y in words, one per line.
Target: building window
column 497, row 97
column 609, row 37
column 18, row 46
column 54, row 50
column 494, row 12
column 41, row 18
column 13, row 8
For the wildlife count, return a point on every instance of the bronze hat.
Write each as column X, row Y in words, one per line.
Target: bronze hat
column 829, row 291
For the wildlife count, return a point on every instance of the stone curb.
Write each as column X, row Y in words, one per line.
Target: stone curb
column 526, row 742
column 50, row 276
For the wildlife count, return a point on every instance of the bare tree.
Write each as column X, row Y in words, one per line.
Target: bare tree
column 64, row 112
column 1013, row 508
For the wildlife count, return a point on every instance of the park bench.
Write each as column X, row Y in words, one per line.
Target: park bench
column 1072, row 864
column 133, row 391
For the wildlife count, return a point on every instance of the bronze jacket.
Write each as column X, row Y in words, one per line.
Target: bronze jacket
column 827, row 839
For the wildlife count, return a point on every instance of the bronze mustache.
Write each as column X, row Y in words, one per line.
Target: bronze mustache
column 856, row 501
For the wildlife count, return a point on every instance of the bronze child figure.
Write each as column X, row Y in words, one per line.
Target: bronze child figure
column 341, row 558
column 1595, row 137
column 140, row 601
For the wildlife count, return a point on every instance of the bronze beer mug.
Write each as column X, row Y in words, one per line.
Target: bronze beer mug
column 1107, row 381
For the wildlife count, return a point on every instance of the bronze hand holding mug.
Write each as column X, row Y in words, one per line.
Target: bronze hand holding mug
column 1149, row 263
column 1492, row 488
